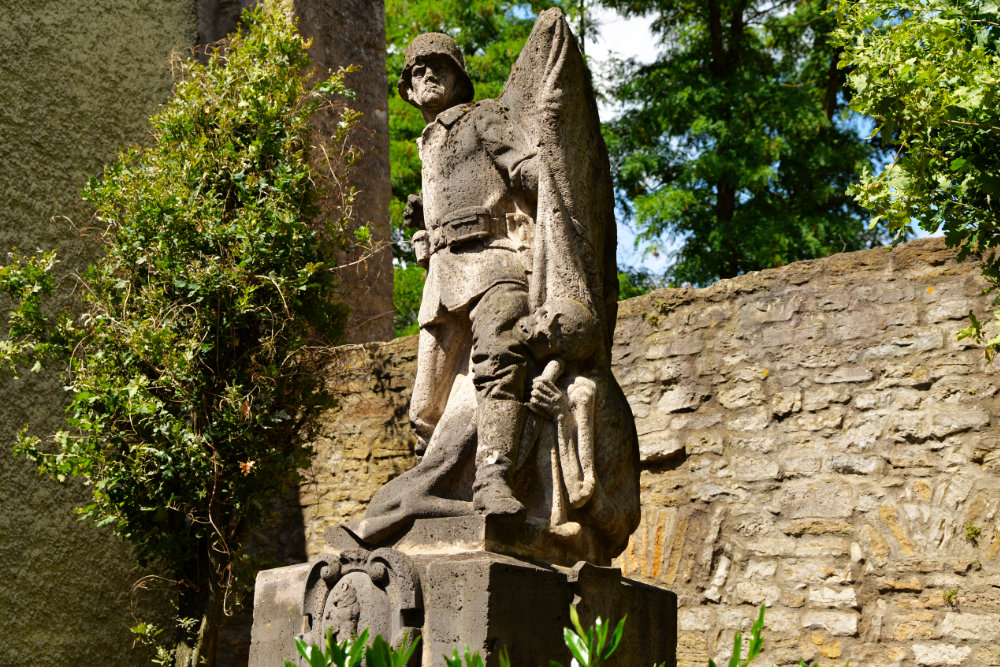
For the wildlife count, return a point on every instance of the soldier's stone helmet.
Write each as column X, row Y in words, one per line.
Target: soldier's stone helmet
column 435, row 43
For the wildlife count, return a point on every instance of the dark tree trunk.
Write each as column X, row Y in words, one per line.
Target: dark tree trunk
column 201, row 600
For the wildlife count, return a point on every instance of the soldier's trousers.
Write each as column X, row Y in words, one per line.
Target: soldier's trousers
column 486, row 334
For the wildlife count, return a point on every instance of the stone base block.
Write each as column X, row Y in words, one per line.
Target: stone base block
column 484, row 533
column 481, row 600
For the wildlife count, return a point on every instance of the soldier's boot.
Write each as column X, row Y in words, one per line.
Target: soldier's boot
column 499, row 430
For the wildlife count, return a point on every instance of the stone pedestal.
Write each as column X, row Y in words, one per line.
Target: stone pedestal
column 454, row 595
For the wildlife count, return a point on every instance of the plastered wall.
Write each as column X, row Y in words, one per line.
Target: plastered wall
column 813, row 437
column 77, row 81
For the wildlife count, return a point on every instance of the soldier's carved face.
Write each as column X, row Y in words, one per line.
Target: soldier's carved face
column 432, row 81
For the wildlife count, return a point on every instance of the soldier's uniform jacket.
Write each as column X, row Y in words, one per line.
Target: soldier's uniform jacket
column 474, row 205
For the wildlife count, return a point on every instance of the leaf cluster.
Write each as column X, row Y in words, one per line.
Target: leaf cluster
column 590, row 647
column 928, row 72
column 350, row 652
column 635, row 282
column 735, row 142
column 189, row 366
column 407, row 292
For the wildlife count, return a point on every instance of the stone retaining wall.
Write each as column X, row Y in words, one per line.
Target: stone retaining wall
column 813, row 437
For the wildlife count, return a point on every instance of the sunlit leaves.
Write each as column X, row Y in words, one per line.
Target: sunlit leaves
column 928, row 71
column 734, row 145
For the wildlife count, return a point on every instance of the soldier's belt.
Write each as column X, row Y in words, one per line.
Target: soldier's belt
column 469, row 224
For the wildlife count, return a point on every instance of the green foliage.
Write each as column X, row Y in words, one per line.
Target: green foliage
column 407, row 290
column 350, row 652
column 635, row 282
column 28, row 281
column 972, row 532
column 753, row 648
column 950, row 596
column 590, row 647
column 736, row 141
column 189, row 366
column 474, row 659
column 928, row 72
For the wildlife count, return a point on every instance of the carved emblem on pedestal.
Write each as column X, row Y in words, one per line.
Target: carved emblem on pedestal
column 356, row 589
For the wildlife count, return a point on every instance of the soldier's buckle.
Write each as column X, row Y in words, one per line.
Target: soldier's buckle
column 467, row 225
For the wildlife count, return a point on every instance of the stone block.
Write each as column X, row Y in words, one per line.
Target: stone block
column 815, row 499
column 940, row 654
column 845, row 374
column 909, row 630
column 837, row 623
column 950, row 310
column 817, row 398
column 760, row 569
column 697, row 619
column 741, row 395
column 841, row 598
column 278, row 593
column 811, row 571
column 831, row 418
column 692, row 648
column 476, row 599
column 865, row 401
column 769, row 309
column 854, row 465
column 708, row 442
column 979, row 627
column 756, row 468
column 749, row 420
column 786, row 402
column 989, row 655
column 680, row 398
column 756, row 593
column 662, row 345
column 951, row 420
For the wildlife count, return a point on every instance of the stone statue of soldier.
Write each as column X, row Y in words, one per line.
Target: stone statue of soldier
column 516, row 411
column 528, row 445
column 479, row 178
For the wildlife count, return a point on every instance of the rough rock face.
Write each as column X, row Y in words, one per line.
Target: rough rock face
column 813, row 437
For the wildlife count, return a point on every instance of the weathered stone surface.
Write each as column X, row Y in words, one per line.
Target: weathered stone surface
column 840, row 623
column 514, row 399
column 940, row 654
column 481, row 600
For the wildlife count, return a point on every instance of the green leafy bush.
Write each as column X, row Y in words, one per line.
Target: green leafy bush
column 928, row 72
column 350, row 652
column 407, row 291
column 189, row 357
column 590, row 648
